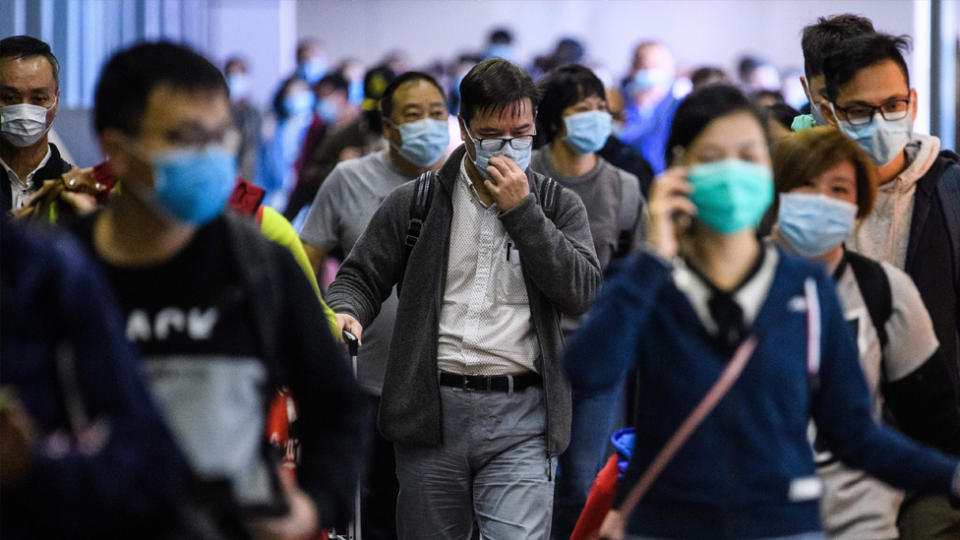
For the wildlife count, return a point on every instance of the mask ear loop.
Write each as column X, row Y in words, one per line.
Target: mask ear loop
column 834, row 112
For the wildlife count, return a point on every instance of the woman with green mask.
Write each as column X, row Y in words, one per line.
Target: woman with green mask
column 737, row 345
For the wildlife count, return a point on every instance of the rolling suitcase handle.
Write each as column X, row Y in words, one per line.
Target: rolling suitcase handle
column 353, row 345
column 353, row 529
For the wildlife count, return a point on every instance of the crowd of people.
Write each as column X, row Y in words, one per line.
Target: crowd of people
column 744, row 293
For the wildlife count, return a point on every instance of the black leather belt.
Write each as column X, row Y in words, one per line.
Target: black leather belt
column 491, row 383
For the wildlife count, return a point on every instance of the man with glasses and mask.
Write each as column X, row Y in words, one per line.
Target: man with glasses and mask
column 915, row 223
column 29, row 97
column 220, row 315
column 414, row 114
column 487, row 255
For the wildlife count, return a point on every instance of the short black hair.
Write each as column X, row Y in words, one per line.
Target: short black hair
column 782, row 113
column 704, row 106
column 705, row 74
column 569, row 51
column 820, row 39
column 130, row 75
column 760, row 95
column 500, row 36
column 280, row 96
column 18, row 47
column 561, row 88
column 748, row 64
column 862, row 52
column 236, row 60
column 386, row 100
column 335, row 80
column 494, row 85
column 306, row 44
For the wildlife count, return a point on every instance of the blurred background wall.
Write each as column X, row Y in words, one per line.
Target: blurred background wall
column 83, row 33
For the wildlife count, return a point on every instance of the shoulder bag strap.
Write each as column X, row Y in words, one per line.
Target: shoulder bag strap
column 719, row 389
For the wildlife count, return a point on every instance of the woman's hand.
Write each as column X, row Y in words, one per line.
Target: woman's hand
column 669, row 199
column 613, row 527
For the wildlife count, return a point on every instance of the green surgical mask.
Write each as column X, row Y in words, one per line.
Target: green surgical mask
column 731, row 195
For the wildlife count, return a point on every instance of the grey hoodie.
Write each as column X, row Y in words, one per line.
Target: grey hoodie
column 560, row 269
column 885, row 233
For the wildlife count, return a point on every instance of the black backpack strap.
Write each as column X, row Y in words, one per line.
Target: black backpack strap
column 630, row 203
column 549, row 194
column 875, row 289
column 261, row 278
column 419, row 207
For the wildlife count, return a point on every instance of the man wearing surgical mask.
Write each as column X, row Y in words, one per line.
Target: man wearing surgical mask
column 474, row 398
column 219, row 315
column 819, row 40
column 246, row 116
column 29, row 98
column 311, row 61
column 915, row 224
column 651, row 104
column 415, row 127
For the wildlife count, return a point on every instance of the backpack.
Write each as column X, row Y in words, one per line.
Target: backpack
column 548, row 193
column 875, row 289
column 630, row 203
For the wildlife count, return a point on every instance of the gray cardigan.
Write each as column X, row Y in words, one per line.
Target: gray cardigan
column 560, row 269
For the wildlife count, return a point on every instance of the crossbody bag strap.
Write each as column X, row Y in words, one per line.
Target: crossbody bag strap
column 719, row 389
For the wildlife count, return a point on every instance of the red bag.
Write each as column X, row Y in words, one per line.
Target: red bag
column 598, row 502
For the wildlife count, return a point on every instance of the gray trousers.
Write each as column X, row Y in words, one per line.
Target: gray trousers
column 492, row 470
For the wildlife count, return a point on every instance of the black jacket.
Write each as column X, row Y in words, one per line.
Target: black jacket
column 54, row 167
column 932, row 262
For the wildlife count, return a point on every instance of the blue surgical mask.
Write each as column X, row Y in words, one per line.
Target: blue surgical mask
column 327, row 110
column 299, row 103
column 731, row 195
column 500, row 50
column 482, row 160
column 645, row 79
column 312, row 70
column 356, row 92
column 814, row 224
column 588, row 131
column 193, row 186
column 881, row 138
column 423, row 141
column 239, row 85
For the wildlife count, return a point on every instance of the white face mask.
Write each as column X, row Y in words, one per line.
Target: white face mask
column 23, row 124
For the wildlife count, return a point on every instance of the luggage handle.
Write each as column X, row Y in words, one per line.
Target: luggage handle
column 353, row 345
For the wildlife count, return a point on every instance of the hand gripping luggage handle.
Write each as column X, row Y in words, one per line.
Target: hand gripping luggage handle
column 719, row 389
column 353, row 347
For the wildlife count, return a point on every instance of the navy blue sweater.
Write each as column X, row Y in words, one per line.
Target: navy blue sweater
column 733, row 477
column 54, row 305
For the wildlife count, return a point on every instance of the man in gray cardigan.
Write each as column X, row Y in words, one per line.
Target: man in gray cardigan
column 474, row 396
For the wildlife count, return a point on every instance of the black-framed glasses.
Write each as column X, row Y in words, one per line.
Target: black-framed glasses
column 495, row 144
column 858, row 115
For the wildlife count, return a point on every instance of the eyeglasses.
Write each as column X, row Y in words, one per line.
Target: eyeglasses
column 858, row 115
column 495, row 144
column 228, row 140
